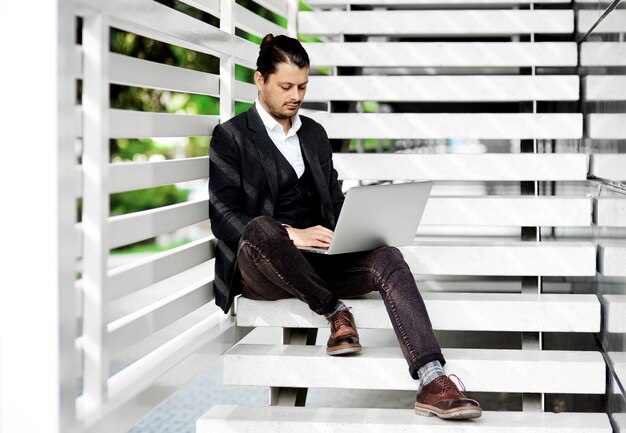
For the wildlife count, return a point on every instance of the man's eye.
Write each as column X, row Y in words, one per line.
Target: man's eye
column 303, row 87
column 285, row 87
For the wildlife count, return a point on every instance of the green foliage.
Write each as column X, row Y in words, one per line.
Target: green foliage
column 144, row 199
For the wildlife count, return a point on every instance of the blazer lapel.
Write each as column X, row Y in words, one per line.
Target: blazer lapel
column 308, row 142
column 264, row 147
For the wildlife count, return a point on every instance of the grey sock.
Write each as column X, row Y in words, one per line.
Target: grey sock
column 429, row 372
column 340, row 306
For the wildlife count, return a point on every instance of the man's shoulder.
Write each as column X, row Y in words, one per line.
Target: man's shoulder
column 236, row 124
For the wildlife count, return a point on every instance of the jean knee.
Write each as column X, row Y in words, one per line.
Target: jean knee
column 387, row 260
column 261, row 230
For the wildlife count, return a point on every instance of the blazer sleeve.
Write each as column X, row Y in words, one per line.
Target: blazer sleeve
column 225, row 187
column 336, row 194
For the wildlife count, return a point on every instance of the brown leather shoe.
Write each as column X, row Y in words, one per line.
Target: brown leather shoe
column 344, row 337
column 442, row 398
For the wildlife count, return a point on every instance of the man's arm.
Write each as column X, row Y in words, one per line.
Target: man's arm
column 225, row 187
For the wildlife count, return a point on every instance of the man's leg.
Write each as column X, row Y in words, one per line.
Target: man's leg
column 273, row 268
column 384, row 269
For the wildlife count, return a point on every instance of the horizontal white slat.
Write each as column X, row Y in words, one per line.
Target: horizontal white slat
column 78, row 61
column 146, row 18
column 78, row 181
column 78, row 121
column 131, row 71
column 295, row 366
column 607, row 125
column 136, row 124
column 137, row 226
column 447, row 311
column 609, row 166
column 614, row 313
column 440, row 4
column 255, row 24
column 210, row 6
column 452, row 125
column 141, row 324
column 605, row 87
column 603, row 54
column 505, row 259
column 129, row 278
column 436, row 22
column 139, row 175
column 246, row 52
column 487, row 167
column 209, row 338
column 443, row 88
column 442, row 54
column 283, row 419
column 614, row 22
column 508, row 211
column 611, row 211
column 611, row 259
column 279, row 7
column 213, row 6
column 245, row 91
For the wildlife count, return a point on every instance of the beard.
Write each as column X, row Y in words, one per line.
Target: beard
column 279, row 112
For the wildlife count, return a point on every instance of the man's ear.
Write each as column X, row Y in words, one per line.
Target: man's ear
column 258, row 80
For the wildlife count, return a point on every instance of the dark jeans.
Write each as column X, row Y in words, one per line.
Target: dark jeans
column 273, row 268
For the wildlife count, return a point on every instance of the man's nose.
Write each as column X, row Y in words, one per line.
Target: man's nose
column 295, row 94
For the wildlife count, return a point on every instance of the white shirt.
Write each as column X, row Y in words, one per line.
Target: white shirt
column 289, row 145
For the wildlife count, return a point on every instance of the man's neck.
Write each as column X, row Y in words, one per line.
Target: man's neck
column 285, row 123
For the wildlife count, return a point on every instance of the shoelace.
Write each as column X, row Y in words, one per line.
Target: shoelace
column 458, row 379
column 341, row 319
column 447, row 383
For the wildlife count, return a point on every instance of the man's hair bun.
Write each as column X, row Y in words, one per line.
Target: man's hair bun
column 267, row 40
column 280, row 49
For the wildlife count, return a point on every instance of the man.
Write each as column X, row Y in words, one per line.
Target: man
column 273, row 189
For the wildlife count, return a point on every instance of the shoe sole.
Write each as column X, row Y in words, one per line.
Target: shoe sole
column 469, row 412
column 344, row 349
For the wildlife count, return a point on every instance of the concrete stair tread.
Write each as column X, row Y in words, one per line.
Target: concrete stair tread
column 614, row 314
column 278, row 419
column 448, row 311
column 611, row 259
column 488, row 370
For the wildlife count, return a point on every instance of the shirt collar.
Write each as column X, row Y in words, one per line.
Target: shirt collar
column 272, row 125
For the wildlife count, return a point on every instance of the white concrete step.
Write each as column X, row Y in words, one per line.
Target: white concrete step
column 417, row 4
column 278, row 419
column 385, row 368
column 436, row 22
column 612, row 259
column 610, row 211
column 619, row 422
column 446, row 54
column 614, row 313
column 502, row 259
column 462, row 167
column 441, row 88
column 600, row 54
column 618, row 359
column 508, row 211
column 460, row 125
column 610, row 165
column 448, row 311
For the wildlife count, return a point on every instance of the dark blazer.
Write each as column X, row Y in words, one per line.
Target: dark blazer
column 243, row 184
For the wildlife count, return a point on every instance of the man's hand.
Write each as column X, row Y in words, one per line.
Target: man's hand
column 316, row 236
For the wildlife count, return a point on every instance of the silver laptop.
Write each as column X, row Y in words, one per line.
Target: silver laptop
column 378, row 215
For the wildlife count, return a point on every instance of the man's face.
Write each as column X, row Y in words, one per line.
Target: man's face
column 282, row 92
